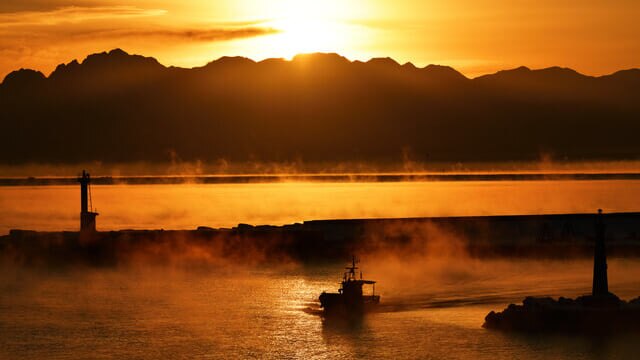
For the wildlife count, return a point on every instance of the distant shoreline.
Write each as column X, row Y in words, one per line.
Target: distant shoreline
column 361, row 177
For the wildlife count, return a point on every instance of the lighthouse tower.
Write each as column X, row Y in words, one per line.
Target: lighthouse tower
column 600, row 281
column 87, row 217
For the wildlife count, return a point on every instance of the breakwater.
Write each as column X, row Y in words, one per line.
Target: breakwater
column 542, row 236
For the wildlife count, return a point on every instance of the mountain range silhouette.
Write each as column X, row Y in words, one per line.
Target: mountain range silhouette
column 117, row 107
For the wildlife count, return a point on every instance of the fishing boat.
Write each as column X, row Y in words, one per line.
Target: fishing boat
column 350, row 298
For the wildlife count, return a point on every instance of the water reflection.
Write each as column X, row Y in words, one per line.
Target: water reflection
column 575, row 346
column 151, row 312
column 351, row 326
column 352, row 336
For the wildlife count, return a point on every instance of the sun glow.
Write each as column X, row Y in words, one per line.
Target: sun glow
column 309, row 26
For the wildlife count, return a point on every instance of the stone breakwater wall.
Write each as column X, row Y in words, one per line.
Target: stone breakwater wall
column 541, row 236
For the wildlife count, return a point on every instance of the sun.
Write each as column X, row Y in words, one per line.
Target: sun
column 300, row 36
column 307, row 26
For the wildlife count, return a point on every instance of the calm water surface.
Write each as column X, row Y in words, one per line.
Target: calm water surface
column 225, row 205
column 147, row 313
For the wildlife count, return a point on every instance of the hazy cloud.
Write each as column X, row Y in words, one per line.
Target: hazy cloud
column 41, row 37
column 74, row 14
column 11, row 6
column 191, row 34
column 83, row 22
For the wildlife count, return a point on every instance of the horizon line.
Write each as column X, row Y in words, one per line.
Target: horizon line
column 292, row 59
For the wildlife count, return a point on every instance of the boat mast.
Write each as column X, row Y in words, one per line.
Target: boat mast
column 351, row 274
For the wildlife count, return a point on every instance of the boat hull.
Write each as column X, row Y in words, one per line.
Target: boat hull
column 340, row 304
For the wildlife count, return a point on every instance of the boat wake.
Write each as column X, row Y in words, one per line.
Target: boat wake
column 421, row 302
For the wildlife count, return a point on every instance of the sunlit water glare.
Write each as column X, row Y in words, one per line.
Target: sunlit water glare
column 147, row 313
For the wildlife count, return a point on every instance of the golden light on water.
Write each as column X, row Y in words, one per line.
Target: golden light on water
column 154, row 312
column 225, row 205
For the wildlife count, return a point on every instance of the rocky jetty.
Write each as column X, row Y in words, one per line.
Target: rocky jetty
column 601, row 311
column 583, row 314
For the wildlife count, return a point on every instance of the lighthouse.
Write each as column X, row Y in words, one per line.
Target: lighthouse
column 600, row 281
column 87, row 217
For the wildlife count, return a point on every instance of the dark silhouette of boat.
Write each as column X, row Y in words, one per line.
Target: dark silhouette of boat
column 350, row 299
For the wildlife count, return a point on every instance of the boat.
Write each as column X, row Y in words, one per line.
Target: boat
column 350, row 298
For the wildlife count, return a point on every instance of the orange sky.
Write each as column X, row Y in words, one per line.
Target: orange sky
column 474, row 36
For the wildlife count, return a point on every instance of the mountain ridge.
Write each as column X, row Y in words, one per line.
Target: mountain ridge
column 120, row 56
column 116, row 107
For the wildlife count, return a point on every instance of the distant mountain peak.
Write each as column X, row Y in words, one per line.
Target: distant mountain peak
column 634, row 72
column 117, row 52
column 520, row 70
column 409, row 65
column 444, row 72
column 106, row 62
column 118, row 56
column 383, row 61
column 629, row 77
column 229, row 61
column 440, row 67
column 320, row 58
column 559, row 71
column 272, row 61
column 23, row 77
column 523, row 74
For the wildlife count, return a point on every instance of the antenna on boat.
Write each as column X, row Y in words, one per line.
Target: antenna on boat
column 351, row 273
column 353, row 266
